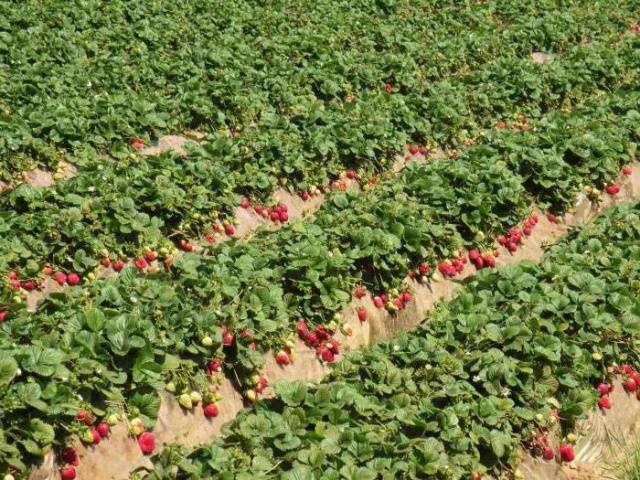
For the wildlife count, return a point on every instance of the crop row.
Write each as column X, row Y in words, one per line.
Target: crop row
column 517, row 351
column 304, row 82
column 116, row 209
column 107, row 347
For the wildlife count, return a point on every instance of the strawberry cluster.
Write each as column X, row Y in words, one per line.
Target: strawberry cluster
column 320, row 338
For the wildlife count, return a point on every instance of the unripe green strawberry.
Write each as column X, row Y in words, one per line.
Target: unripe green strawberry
column 195, row 397
column 87, row 436
column 170, row 387
column 572, row 438
column 185, row 401
column 250, row 395
column 136, row 427
column 254, row 379
column 134, row 411
column 112, row 419
column 206, row 341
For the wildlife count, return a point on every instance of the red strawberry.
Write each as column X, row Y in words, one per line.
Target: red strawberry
column 527, row 231
column 547, row 453
column 70, row 455
column 137, row 144
column 150, row 256
column 512, row 247
column 262, row 384
column 613, row 189
column 103, row 429
column 141, row 263
column 73, row 279
column 334, row 346
column 244, row 203
column 68, row 472
column 282, row 207
column 327, row 355
column 118, row 265
column 388, row 87
column 305, row 196
column 413, row 149
column 210, row 410
column 604, row 403
column 84, row 417
column 551, row 217
column 406, row 297
column 474, row 255
column 630, row 385
column 96, row 436
column 215, row 365
column 229, row 229
column 312, row 339
column 284, row 216
column 60, row 278
column 628, row 369
column 362, row 314
column 378, row 301
column 105, row 262
column 351, row 174
column 227, row 339
column 3, row 315
column 566, row 452
column 359, row 292
column 185, row 246
column 627, row 170
column 423, row 268
column 444, row 268
column 283, row 358
column 603, row 388
column 147, row 442
column 28, row 285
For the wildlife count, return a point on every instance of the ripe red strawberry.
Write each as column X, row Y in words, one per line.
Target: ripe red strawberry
column 215, row 365
column 490, row 262
column 551, row 217
column 3, row 315
column 613, row 189
column 351, row 174
column 512, row 247
column 603, row 388
column 141, row 263
column 227, row 339
column 68, row 472
column 362, row 314
column 312, row 339
column 244, row 203
column 96, row 436
column 210, row 410
column 413, row 149
column 479, row 263
column 105, row 262
column 305, row 196
column 566, row 452
column 327, row 355
column 406, row 297
column 282, row 207
column 283, row 358
column 284, row 216
column 229, row 229
column 334, row 346
column 60, row 278
column 604, row 403
column 73, row 279
column 627, row 170
column 378, row 301
column 547, row 453
column 70, row 456
column 103, row 429
column 359, row 292
column 474, row 255
column 28, row 285
column 630, row 385
column 185, row 246
column 262, row 384
column 118, row 265
column 137, row 144
column 388, row 87
column 84, row 417
column 423, row 268
column 147, row 442
column 527, row 231
column 150, row 256
column 628, row 369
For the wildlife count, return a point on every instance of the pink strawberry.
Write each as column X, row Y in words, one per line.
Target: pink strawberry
column 60, row 278
column 474, row 255
column 3, row 315
column 378, row 301
column 603, row 388
column 150, row 256
column 210, row 410
column 244, row 203
column 137, row 144
column 227, row 338
column 73, row 279
column 627, row 170
column 147, row 442
column 283, row 358
column 362, row 314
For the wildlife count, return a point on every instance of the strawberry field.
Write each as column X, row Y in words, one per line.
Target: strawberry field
column 431, row 147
